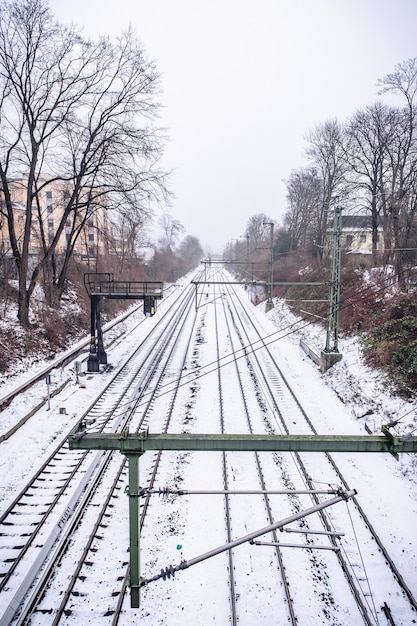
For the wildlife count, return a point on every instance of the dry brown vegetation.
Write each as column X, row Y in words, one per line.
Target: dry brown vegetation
column 53, row 329
column 370, row 307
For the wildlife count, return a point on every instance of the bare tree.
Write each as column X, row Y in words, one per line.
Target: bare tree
column 190, row 252
column 368, row 135
column 74, row 112
column 258, row 231
column 400, row 187
column 132, row 234
column 304, row 198
column 325, row 154
column 172, row 229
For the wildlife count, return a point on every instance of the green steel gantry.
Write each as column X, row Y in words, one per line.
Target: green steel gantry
column 253, row 283
column 133, row 445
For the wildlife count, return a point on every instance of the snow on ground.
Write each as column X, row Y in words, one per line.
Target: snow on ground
column 357, row 400
column 344, row 400
column 386, row 488
column 364, row 392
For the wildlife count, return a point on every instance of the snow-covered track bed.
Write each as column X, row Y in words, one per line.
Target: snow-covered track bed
column 209, row 499
column 215, row 373
column 277, row 570
column 363, row 555
column 62, row 370
column 236, row 495
column 245, row 473
column 38, row 527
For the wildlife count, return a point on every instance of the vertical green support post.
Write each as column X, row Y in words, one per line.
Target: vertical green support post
column 269, row 302
column 271, row 262
column 196, row 297
column 247, row 257
column 334, row 294
column 134, row 532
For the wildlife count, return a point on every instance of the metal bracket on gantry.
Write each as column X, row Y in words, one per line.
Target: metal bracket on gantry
column 102, row 285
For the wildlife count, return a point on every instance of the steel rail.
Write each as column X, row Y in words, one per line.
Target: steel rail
column 149, row 406
column 254, row 356
column 56, row 552
column 340, row 476
column 157, row 368
column 70, row 354
column 31, row 575
column 54, row 457
column 231, row 569
column 278, row 552
column 157, row 461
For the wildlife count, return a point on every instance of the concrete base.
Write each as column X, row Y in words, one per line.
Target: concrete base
column 269, row 306
column 328, row 359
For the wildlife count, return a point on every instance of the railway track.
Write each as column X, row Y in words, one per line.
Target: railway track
column 346, row 570
column 64, row 369
column 167, row 385
column 270, row 378
column 112, row 335
column 67, row 482
column 258, row 477
column 267, row 509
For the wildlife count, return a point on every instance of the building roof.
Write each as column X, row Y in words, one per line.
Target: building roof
column 355, row 222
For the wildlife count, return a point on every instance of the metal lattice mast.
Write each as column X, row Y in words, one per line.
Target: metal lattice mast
column 269, row 302
column 332, row 334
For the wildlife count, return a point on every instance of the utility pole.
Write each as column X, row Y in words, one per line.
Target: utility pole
column 269, row 303
column 247, row 256
column 330, row 354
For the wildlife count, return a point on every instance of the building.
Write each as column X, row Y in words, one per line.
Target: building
column 98, row 234
column 356, row 236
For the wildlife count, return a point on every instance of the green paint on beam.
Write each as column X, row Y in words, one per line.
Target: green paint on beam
column 138, row 443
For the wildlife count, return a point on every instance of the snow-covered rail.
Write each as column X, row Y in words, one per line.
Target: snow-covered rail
column 361, row 567
column 214, row 372
column 255, row 476
column 339, row 538
column 36, row 527
column 77, row 351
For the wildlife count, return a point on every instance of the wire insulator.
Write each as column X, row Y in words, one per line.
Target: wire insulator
column 168, row 572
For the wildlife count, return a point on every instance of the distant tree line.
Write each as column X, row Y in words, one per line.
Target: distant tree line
column 367, row 165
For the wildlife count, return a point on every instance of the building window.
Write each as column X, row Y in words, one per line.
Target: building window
column 349, row 240
column 363, row 238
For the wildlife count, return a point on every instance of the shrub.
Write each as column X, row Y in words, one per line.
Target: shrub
column 392, row 345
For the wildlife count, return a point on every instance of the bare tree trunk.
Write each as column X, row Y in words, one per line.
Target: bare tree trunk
column 78, row 108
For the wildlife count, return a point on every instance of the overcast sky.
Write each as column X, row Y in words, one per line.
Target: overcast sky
column 244, row 81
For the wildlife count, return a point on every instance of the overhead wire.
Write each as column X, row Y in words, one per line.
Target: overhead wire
column 295, row 326
column 358, row 547
column 349, row 298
